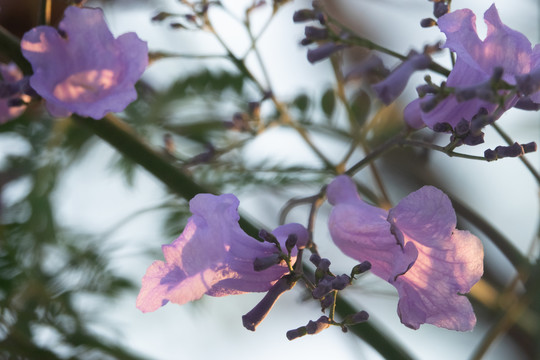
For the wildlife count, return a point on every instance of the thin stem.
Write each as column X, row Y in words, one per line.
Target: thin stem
column 368, row 44
column 523, row 159
column 45, row 12
column 257, row 54
column 340, row 91
column 286, row 119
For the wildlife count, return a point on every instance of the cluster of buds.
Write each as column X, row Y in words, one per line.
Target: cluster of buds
column 317, row 34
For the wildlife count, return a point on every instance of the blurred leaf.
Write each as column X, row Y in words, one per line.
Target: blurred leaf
column 360, row 106
column 328, row 102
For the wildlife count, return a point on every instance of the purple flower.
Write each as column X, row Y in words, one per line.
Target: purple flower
column 10, row 90
column 477, row 61
column 213, row 256
column 82, row 68
column 415, row 247
column 391, row 87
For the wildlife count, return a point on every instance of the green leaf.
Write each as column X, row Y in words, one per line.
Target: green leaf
column 328, row 102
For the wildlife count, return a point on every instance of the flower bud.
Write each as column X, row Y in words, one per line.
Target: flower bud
column 291, row 241
column 361, row 268
column 341, row 282
column 323, row 51
column 427, row 22
column 357, row 318
column 315, row 327
column 264, row 263
column 315, row 33
column 529, row 147
column 304, row 15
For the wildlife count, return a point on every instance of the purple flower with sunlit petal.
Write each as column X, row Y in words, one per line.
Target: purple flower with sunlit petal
column 214, row 256
column 415, row 247
column 10, row 89
column 477, row 61
column 81, row 68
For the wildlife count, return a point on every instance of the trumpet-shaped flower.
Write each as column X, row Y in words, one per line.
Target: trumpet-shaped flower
column 214, row 256
column 415, row 247
column 81, row 68
column 10, row 90
column 477, row 61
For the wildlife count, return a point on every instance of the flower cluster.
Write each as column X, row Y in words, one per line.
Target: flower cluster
column 214, row 256
column 415, row 247
column 504, row 54
column 81, row 68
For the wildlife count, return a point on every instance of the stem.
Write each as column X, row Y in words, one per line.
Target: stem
column 45, row 12
column 353, row 124
column 10, row 46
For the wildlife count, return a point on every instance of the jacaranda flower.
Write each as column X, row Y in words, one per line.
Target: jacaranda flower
column 415, row 247
column 477, row 61
column 10, row 90
column 81, row 68
column 214, row 256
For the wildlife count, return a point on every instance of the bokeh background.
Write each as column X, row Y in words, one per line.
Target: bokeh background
column 80, row 223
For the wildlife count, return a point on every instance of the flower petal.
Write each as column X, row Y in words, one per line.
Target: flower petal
column 362, row 232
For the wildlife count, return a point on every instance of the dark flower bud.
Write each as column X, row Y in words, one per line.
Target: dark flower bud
column 513, row 150
column 322, row 289
column 341, row 282
column 462, row 127
column 529, row 147
column 442, row 127
column 324, row 265
column 439, row 9
column 479, row 122
column 304, row 15
column 291, row 241
column 427, row 22
column 323, row 51
column 268, row 237
column 253, row 318
column 357, row 318
column 306, row 42
column 327, row 301
column 315, row 259
column 315, row 327
column 490, row 155
column 296, row 333
column 473, row 140
column 315, row 33
column 361, row 268
column 264, row 263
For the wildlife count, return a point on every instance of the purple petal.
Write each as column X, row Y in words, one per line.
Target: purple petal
column 362, row 232
column 87, row 71
column 412, row 114
column 449, row 262
column 391, row 87
column 424, row 214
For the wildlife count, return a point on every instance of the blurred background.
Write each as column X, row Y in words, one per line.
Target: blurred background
column 80, row 223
